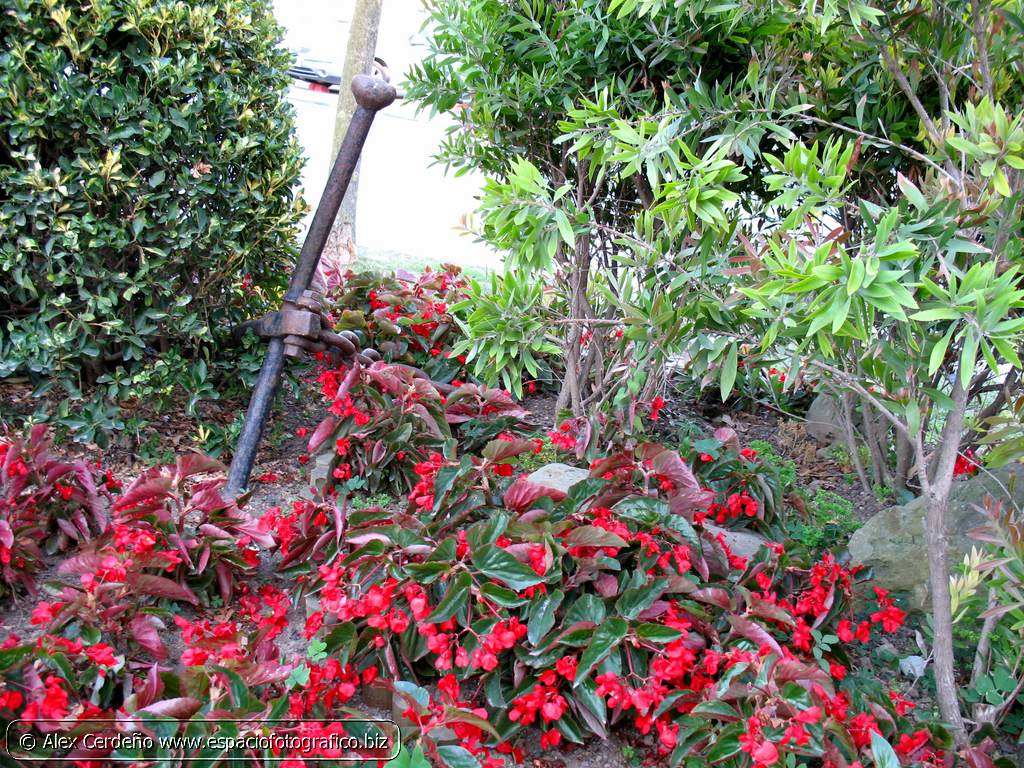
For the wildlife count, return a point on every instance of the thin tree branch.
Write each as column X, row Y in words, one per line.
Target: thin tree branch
column 852, row 383
column 978, row 27
column 901, row 80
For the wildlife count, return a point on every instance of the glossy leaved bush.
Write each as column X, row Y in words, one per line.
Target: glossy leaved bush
column 147, row 171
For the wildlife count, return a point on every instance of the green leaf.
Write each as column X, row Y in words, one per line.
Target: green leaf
column 580, row 493
column 912, row 413
column 407, row 758
column 936, row 313
column 542, row 615
column 716, row 709
column 968, row 356
column 632, row 602
column 502, row 596
column 11, row 656
column 420, row 695
column 498, row 564
column 964, row 146
column 454, row 600
column 912, row 193
column 726, row 745
column 683, row 526
column 565, row 228
column 999, row 182
column 938, row 353
column 446, row 477
column 728, row 372
column 646, row 510
column 657, row 633
column 454, row 756
column 317, row 650
column 240, row 694
column 606, row 637
column 856, row 278
column 883, row 753
column 586, row 608
column 297, row 677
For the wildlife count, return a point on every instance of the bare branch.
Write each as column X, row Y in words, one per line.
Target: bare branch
column 851, row 383
column 901, row 79
column 980, row 30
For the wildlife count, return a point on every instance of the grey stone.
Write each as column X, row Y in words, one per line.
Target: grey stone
column 886, row 652
column 561, row 477
column 319, row 471
column 892, row 542
column 824, row 424
column 913, row 666
column 742, row 543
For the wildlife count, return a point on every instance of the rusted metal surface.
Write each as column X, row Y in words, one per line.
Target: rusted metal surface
column 296, row 328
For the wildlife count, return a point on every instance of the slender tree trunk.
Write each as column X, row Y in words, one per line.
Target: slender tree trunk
column 875, row 435
column 359, row 53
column 846, row 400
column 904, row 462
column 981, row 654
column 936, row 486
column 574, row 392
column 942, row 617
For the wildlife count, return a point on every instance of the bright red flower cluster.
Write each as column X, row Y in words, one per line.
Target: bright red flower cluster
column 502, row 637
column 965, row 464
column 736, row 505
column 422, row 494
column 564, row 438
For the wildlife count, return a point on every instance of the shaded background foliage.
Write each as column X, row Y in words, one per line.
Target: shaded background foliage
column 147, row 172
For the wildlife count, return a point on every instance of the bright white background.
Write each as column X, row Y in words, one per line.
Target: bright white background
column 407, row 207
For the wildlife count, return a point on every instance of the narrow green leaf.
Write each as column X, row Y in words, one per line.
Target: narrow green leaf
column 565, row 228
column 939, row 351
column 729, row 371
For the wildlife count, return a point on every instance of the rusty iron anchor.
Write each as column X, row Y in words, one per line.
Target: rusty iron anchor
column 297, row 328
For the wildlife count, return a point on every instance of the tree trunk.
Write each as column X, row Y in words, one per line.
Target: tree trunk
column 846, row 400
column 876, row 435
column 359, row 52
column 942, row 616
column 904, row 463
column 936, row 486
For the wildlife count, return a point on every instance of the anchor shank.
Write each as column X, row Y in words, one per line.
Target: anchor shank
column 372, row 95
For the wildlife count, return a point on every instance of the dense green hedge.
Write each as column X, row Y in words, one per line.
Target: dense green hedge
column 147, row 173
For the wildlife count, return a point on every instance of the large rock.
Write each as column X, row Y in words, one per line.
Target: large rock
column 319, row 472
column 824, row 422
column 892, row 543
column 742, row 543
column 561, row 477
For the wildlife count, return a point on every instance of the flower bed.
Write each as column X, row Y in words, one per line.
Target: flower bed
column 608, row 607
column 499, row 614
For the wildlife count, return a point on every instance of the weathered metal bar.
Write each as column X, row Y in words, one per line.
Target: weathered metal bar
column 372, row 95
